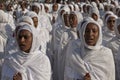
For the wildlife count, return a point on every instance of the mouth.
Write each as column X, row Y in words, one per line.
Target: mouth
column 22, row 46
column 90, row 40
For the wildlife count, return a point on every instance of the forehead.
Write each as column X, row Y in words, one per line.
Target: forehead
column 111, row 18
column 24, row 32
column 91, row 26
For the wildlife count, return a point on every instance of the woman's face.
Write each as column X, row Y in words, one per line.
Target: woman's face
column 24, row 40
column 55, row 7
column 111, row 23
column 94, row 16
column 66, row 19
column 91, row 34
column 73, row 20
column 35, row 21
column 35, row 9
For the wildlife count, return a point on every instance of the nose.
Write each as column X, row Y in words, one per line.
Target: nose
column 22, row 39
column 91, row 33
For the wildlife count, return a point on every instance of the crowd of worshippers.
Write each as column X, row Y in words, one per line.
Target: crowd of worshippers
column 75, row 41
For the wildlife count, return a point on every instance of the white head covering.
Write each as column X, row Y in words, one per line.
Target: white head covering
column 76, row 7
column 81, row 24
column 42, row 12
column 108, row 12
column 72, row 7
column 37, row 5
column 99, row 41
column 30, row 28
column 31, row 14
column 94, row 4
column 95, row 11
column 79, row 16
column 111, row 16
column 26, row 19
column 3, row 17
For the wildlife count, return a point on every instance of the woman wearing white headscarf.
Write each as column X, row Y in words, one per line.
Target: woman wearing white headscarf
column 106, row 14
column 43, row 33
column 57, row 44
column 87, row 58
column 28, row 63
column 96, row 16
column 55, row 10
column 109, row 32
column 67, row 36
column 43, row 18
column 114, row 45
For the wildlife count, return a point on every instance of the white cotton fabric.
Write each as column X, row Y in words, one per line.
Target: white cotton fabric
column 26, row 19
column 96, row 11
column 96, row 60
column 114, row 45
column 43, row 33
column 108, row 34
column 3, row 18
column 33, row 65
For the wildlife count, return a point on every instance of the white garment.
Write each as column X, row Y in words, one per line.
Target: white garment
column 32, row 66
column 114, row 45
column 82, row 58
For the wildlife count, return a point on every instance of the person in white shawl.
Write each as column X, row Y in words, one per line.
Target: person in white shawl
column 96, row 16
column 57, row 44
column 43, row 33
column 28, row 63
column 109, row 32
column 87, row 58
column 67, row 36
column 114, row 45
column 43, row 18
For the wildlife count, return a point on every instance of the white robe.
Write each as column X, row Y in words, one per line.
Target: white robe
column 99, row 63
column 82, row 58
column 34, row 67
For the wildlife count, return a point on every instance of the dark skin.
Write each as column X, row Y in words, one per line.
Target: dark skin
column 73, row 20
column 111, row 23
column 87, row 76
column 94, row 16
column 24, row 40
column 35, row 9
column 17, row 76
column 66, row 19
column 55, row 7
column 35, row 21
column 91, row 34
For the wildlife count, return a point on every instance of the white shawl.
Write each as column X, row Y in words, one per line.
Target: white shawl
column 33, row 65
column 95, row 60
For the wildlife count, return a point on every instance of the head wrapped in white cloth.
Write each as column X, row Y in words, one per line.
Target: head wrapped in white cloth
column 35, row 46
column 26, row 19
column 112, row 15
column 82, row 33
column 37, row 5
column 31, row 14
column 95, row 11
column 81, row 24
